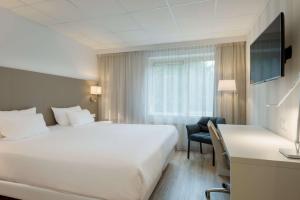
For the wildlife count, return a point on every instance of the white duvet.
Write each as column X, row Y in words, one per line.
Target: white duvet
column 105, row 161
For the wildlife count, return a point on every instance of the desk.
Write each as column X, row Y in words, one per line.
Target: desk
column 257, row 170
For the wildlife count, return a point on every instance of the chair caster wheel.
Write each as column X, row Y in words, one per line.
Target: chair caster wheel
column 207, row 194
column 225, row 186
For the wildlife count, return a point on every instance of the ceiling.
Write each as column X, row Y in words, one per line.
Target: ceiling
column 113, row 24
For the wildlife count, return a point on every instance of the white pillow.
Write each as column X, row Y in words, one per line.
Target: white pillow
column 22, row 126
column 82, row 117
column 26, row 111
column 60, row 114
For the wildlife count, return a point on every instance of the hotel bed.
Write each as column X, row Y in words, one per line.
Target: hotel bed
column 93, row 161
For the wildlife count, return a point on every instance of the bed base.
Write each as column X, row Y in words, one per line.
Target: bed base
column 28, row 192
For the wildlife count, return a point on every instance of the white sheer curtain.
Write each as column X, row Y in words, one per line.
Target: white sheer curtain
column 180, row 87
column 170, row 86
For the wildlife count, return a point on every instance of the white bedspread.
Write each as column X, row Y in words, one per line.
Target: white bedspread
column 108, row 161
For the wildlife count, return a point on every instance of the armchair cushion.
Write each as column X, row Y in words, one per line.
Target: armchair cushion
column 199, row 132
column 193, row 128
column 203, row 137
column 215, row 120
column 220, row 120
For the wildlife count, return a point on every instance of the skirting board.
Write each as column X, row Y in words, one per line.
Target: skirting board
column 27, row 192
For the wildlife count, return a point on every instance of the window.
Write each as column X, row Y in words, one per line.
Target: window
column 181, row 86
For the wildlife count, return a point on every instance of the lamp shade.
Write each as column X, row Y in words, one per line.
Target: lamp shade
column 96, row 90
column 227, row 85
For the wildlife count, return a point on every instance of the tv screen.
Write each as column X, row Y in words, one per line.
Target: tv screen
column 267, row 53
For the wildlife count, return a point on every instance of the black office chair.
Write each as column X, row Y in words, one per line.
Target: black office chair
column 199, row 133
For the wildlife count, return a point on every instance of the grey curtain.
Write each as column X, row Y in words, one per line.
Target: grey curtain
column 231, row 64
column 122, row 77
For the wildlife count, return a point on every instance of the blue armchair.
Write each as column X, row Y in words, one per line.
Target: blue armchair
column 199, row 132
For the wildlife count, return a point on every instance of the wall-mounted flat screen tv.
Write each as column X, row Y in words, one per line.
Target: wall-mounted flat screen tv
column 267, row 53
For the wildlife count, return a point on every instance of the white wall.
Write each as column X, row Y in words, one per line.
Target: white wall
column 30, row 46
column 281, row 120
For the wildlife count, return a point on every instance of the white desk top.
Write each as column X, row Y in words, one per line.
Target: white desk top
column 256, row 145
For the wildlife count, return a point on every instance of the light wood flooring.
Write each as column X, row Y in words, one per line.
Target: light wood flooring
column 188, row 179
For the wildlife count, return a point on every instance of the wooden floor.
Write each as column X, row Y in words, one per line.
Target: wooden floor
column 188, row 179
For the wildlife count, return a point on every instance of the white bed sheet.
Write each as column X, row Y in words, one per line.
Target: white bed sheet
column 107, row 161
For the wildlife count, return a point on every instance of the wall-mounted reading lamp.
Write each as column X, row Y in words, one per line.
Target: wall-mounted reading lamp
column 95, row 92
column 291, row 153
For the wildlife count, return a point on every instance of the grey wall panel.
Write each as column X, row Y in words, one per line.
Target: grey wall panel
column 21, row 89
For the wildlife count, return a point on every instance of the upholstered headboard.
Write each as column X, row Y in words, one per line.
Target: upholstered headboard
column 21, row 89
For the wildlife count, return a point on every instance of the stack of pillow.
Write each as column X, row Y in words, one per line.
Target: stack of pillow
column 19, row 124
column 72, row 116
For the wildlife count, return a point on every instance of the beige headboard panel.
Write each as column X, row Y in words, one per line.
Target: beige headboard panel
column 21, row 89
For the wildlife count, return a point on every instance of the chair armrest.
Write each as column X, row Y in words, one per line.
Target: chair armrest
column 192, row 128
